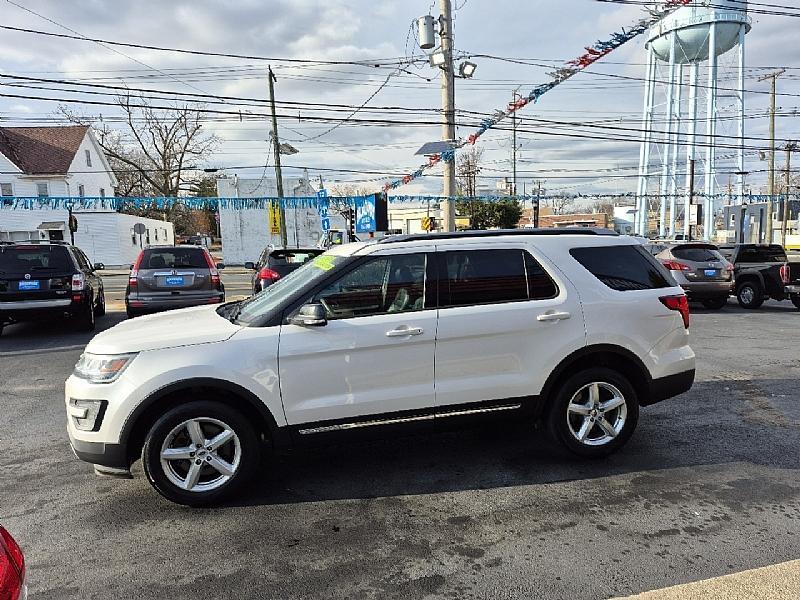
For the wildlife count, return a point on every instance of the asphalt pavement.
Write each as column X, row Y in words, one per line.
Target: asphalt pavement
column 708, row 486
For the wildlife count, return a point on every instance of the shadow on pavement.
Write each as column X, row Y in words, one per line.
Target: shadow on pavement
column 49, row 334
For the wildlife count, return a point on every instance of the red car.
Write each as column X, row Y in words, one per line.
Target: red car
column 12, row 569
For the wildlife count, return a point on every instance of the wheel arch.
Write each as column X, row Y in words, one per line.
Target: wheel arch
column 750, row 278
column 601, row 355
column 156, row 404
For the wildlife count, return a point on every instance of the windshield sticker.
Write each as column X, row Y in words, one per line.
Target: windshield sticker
column 324, row 263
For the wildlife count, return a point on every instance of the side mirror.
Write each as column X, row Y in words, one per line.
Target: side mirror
column 310, row 315
column 220, row 266
column 250, row 266
column 99, row 267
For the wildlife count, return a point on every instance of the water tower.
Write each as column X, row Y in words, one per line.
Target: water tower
column 681, row 91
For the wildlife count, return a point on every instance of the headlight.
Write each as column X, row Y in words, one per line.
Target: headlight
column 99, row 368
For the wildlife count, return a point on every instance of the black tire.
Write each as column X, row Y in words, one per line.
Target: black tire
column 749, row 295
column 795, row 298
column 100, row 306
column 165, row 482
column 715, row 303
column 1, row 328
column 86, row 317
column 132, row 312
column 561, row 422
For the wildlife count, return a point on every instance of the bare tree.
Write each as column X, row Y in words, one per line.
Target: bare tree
column 560, row 205
column 158, row 150
column 467, row 171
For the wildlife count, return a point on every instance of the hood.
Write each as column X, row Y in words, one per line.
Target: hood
column 186, row 327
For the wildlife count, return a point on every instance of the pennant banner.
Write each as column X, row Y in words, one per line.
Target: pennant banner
column 591, row 55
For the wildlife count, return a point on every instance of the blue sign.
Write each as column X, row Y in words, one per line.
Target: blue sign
column 323, row 211
column 365, row 215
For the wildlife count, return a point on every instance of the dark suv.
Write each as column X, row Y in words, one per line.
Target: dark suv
column 167, row 277
column 40, row 279
column 276, row 263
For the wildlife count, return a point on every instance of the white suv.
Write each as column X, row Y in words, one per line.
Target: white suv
column 575, row 328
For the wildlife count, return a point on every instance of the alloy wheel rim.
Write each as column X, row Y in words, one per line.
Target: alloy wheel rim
column 747, row 294
column 597, row 413
column 201, row 455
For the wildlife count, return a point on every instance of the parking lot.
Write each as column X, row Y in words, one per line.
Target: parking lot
column 707, row 486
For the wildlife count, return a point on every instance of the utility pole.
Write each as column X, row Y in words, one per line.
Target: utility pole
column 790, row 147
column 771, row 185
column 514, row 96
column 276, row 149
column 448, row 113
column 688, row 215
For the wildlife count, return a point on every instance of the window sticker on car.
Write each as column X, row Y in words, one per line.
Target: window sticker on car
column 324, row 263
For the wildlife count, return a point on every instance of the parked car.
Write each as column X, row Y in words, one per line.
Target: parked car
column 41, row 279
column 12, row 568
column 700, row 269
column 762, row 272
column 168, row 277
column 275, row 263
column 571, row 327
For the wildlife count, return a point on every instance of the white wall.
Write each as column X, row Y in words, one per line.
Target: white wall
column 245, row 233
column 105, row 236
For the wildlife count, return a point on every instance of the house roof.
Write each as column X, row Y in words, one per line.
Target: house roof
column 42, row 150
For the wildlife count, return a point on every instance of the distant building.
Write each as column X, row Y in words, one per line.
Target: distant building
column 601, row 220
column 50, row 162
column 246, row 232
column 53, row 161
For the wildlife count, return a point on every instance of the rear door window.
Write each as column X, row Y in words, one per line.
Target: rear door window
column 174, row 258
column 624, row 268
column 494, row 276
column 22, row 260
column 697, row 254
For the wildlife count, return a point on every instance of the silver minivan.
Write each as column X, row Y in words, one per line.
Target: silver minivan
column 168, row 277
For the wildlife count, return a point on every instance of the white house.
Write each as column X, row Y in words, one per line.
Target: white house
column 246, row 232
column 53, row 161
column 48, row 162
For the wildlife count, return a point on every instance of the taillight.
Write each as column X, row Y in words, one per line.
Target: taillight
column 674, row 265
column 78, row 282
column 268, row 275
column 215, row 280
column 785, row 274
column 729, row 268
column 133, row 278
column 12, row 567
column 678, row 303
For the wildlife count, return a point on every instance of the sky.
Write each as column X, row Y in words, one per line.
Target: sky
column 537, row 32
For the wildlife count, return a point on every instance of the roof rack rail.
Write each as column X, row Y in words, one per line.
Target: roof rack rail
column 35, row 241
column 396, row 239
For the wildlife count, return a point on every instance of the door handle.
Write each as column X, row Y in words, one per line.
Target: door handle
column 554, row 316
column 405, row 332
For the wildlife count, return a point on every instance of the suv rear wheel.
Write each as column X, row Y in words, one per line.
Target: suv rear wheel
column 200, row 452
column 86, row 316
column 594, row 413
column 100, row 305
column 794, row 297
column 715, row 303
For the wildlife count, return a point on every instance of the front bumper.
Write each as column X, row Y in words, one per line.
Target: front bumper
column 100, row 453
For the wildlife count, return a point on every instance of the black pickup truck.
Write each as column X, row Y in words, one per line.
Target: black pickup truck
column 762, row 272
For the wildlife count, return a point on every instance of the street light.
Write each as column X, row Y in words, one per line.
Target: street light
column 467, row 69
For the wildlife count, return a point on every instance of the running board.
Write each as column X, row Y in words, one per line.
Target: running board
column 403, row 420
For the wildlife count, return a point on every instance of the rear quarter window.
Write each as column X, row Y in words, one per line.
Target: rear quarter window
column 624, row 268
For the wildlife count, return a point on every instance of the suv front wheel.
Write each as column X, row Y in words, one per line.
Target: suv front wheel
column 594, row 413
column 200, row 452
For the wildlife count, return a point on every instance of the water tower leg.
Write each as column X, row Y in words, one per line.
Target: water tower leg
column 741, row 183
column 673, row 185
column 711, row 121
column 642, row 203
column 666, row 152
column 691, row 147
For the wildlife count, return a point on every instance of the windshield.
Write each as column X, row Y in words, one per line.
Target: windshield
column 21, row 260
column 262, row 304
